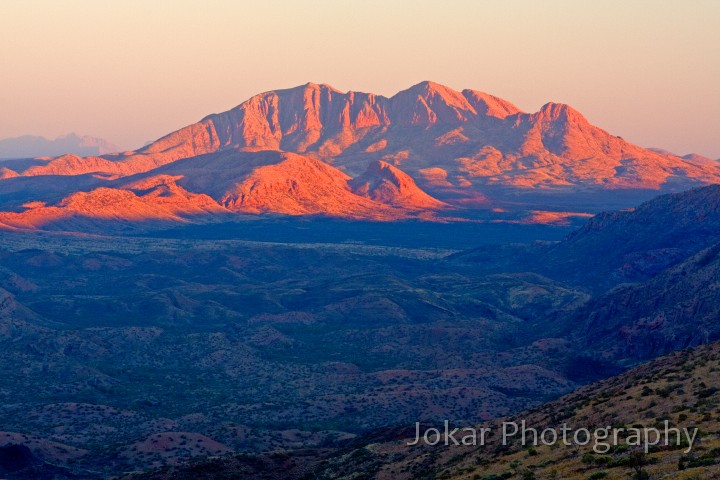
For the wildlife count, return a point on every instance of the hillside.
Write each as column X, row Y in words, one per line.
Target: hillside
column 677, row 309
column 638, row 243
column 234, row 183
column 384, row 183
column 613, row 247
column 680, row 388
column 156, row 344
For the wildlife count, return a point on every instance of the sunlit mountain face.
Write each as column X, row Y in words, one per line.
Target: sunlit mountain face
column 428, row 153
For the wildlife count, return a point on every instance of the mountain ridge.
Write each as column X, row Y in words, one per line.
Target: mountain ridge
column 27, row 146
column 323, row 121
column 450, row 147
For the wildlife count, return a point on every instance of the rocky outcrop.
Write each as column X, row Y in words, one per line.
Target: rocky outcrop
column 389, row 185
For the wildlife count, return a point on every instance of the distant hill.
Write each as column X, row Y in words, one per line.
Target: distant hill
column 692, row 157
column 29, row 146
column 636, row 244
column 614, row 247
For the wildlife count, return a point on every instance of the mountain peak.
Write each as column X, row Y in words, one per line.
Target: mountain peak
column 429, row 87
column 380, row 165
column 317, row 86
column 429, row 103
column 560, row 111
column 699, row 159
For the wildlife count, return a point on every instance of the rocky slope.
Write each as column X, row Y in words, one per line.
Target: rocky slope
column 680, row 389
column 389, row 185
column 233, row 182
column 156, row 199
column 636, row 244
column 679, row 308
column 615, row 247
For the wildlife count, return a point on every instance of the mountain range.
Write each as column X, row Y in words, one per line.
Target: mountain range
column 30, row 146
column 427, row 152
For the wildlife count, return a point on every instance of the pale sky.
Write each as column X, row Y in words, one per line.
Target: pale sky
column 133, row 70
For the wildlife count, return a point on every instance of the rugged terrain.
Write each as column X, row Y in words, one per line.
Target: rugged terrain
column 142, row 327
column 257, row 347
column 127, row 353
column 680, row 389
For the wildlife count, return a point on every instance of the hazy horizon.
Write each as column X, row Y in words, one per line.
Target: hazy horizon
column 131, row 72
